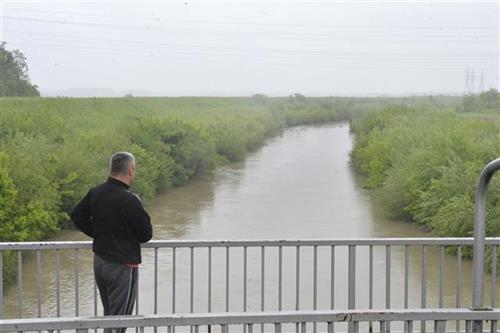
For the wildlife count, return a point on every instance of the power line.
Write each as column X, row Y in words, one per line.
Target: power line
column 142, row 53
column 157, row 19
column 267, row 33
column 444, row 56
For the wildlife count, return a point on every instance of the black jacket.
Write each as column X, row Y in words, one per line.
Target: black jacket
column 115, row 218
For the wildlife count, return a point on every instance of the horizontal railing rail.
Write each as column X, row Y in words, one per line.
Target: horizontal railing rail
column 430, row 241
column 438, row 316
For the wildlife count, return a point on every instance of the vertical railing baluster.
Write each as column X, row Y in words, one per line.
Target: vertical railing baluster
column 58, row 283
column 439, row 326
column 155, row 278
column 388, row 276
column 407, row 270
column 493, row 276
column 468, row 326
column 191, row 279
column 424, row 284
column 297, row 279
column 297, row 283
column 315, row 282
column 409, row 326
column 244, row 284
column 245, row 272
column 280, row 277
column 174, row 258
column 174, row 279
column 77, row 282
column 262, row 281
column 209, row 328
column 459, row 284
column 191, row 283
column 39, row 282
column 370, row 284
column 351, row 288
column 227, row 278
column 155, row 304
column 329, row 326
column 262, row 277
column 493, row 284
column 20, row 304
column 209, row 279
column 351, row 291
column 407, row 276
column 277, row 328
column 382, row 326
column 388, row 282
column 332, row 277
column 441, row 276
column 1, row 285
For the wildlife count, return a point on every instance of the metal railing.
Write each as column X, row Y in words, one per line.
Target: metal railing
column 300, row 320
column 207, row 276
column 474, row 318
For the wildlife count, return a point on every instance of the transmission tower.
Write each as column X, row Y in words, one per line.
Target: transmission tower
column 481, row 84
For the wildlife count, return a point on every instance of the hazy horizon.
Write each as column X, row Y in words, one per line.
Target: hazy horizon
column 230, row 49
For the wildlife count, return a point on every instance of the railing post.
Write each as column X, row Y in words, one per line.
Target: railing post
column 1, row 286
column 479, row 237
column 351, row 297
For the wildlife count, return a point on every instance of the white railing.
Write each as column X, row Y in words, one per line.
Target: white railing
column 193, row 275
column 424, row 320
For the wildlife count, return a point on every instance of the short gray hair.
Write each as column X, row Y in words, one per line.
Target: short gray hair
column 120, row 162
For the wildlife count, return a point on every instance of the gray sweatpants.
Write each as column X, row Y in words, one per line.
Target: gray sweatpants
column 117, row 285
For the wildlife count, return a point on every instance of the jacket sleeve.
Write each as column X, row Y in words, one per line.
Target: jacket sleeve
column 139, row 219
column 82, row 217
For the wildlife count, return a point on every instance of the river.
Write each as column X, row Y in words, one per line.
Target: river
column 298, row 185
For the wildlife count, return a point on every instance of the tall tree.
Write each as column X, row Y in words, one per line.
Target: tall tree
column 14, row 79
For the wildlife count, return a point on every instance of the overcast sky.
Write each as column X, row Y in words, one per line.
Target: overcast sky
column 239, row 49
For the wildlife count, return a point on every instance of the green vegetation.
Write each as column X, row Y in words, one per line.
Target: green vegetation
column 487, row 101
column 424, row 165
column 14, row 80
column 54, row 149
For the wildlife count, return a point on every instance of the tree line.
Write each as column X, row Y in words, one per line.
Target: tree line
column 15, row 80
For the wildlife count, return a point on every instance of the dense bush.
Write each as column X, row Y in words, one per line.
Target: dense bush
column 485, row 101
column 424, row 166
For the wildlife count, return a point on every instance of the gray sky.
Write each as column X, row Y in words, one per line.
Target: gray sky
column 275, row 48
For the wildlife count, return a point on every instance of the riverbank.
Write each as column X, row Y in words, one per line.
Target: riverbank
column 423, row 166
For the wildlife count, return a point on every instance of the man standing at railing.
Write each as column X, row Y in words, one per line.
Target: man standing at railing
column 117, row 221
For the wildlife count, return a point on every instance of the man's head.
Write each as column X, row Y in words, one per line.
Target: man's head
column 122, row 166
